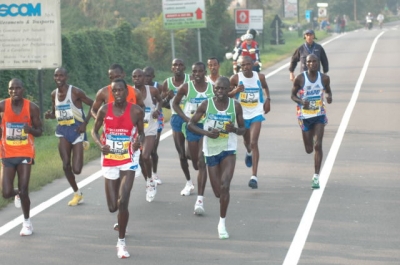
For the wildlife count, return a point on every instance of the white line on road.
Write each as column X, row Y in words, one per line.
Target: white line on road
column 294, row 253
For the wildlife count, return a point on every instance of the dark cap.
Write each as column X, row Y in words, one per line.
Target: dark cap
column 310, row 31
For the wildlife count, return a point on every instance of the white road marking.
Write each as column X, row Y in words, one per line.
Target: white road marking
column 294, row 253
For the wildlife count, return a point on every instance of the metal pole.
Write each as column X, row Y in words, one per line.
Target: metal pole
column 299, row 31
column 172, row 44
column 277, row 32
column 199, row 44
column 40, row 84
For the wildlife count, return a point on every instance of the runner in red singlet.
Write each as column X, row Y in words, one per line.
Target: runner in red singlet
column 122, row 136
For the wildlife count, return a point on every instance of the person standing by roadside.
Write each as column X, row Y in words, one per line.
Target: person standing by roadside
column 20, row 123
column 247, row 87
column 380, row 19
column 309, row 90
column 309, row 47
column 67, row 108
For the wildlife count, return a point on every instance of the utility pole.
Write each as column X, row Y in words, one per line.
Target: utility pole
column 355, row 10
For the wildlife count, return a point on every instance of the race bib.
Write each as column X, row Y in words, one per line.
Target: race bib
column 313, row 108
column 64, row 115
column 15, row 134
column 218, row 122
column 192, row 105
column 147, row 112
column 249, row 97
column 119, row 147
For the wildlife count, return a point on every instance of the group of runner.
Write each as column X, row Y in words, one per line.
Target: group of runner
column 208, row 113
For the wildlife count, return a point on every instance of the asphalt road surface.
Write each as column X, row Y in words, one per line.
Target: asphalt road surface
column 353, row 219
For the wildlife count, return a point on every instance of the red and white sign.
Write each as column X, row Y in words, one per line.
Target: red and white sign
column 249, row 19
column 242, row 17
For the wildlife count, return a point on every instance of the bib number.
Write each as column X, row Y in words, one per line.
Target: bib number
column 64, row 115
column 119, row 147
column 15, row 134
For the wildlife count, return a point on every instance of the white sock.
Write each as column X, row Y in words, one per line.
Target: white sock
column 78, row 192
column 316, row 176
column 254, row 177
column 221, row 221
column 200, row 198
column 121, row 241
column 249, row 154
column 27, row 220
column 189, row 182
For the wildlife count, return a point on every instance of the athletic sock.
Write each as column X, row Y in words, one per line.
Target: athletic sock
column 221, row 221
column 200, row 198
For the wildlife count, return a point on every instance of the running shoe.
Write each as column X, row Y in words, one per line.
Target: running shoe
column 155, row 177
column 17, row 201
column 199, row 208
column 122, row 252
column 187, row 190
column 77, row 199
column 248, row 160
column 116, row 228
column 253, row 184
column 27, row 229
column 151, row 191
column 315, row 183
column 222, row 233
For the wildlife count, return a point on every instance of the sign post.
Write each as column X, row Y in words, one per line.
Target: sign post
column 181, row 14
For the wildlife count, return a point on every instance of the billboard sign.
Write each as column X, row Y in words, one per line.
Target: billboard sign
column 182, row 14
column 249, row 19
column 30, row 34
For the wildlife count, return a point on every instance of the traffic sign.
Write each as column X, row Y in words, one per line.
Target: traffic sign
column 181, row 14
column 249, row 19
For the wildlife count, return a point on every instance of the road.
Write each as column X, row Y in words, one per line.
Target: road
column 352, row 219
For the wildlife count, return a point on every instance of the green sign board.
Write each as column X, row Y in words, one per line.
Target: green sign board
column 181, row 14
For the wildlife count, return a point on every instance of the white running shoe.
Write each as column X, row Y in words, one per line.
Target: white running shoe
column 199, row 207
column 17, row 201
column 122, row 252
column 222, row 233
column 155, row 177
column 27, row 229
column 116, row 228
column 187, row 190
column 151, row 191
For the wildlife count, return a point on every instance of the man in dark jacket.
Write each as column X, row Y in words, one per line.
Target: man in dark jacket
column 301, row 53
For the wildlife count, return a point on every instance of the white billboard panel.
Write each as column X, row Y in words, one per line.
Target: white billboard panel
column 30, row 34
